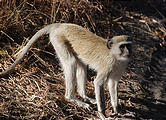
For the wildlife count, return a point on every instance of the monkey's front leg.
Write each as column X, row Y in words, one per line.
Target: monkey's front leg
column 100, row 97
column 113, row 89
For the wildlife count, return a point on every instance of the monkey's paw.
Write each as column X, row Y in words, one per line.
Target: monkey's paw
column 90, row 100
column 109, row 118
column 102, row 117
column 84, row 105
column 80, row 103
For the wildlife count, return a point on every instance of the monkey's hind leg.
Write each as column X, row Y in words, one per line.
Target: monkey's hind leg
column 69, row 63
column 81, row 75
column 70, row 82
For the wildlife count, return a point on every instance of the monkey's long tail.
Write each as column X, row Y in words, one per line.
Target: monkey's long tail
column 41, row 32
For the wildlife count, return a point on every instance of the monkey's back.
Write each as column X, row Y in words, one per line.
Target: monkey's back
column 90, row 48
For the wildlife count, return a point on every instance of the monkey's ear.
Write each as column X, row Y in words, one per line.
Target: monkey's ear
column 109, row 43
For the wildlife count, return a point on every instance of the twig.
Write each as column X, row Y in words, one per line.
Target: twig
column 117, row 19
column 43, row 51
column 91, row 21
column 152, row 34
column 7, row 36
column 148, row 26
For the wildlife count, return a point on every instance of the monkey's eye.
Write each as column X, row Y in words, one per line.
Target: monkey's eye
column 122, row 47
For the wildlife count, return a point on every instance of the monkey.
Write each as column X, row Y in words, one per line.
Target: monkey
column 77, row 47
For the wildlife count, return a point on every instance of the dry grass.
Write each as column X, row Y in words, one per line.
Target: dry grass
column 35, row 90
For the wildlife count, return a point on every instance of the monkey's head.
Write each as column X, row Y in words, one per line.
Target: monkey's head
column 120, row 47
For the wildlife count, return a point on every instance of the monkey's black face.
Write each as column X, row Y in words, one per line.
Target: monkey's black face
column 125, row 51
column 122, row 51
